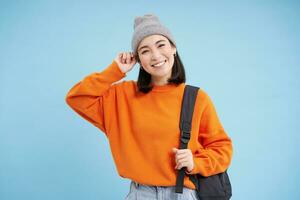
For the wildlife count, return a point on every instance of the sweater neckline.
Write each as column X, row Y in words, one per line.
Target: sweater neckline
column 166, row 87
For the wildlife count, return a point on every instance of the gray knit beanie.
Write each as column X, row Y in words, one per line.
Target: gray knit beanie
column 147, row 25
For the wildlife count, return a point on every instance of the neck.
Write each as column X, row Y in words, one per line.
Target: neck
column 159, row 81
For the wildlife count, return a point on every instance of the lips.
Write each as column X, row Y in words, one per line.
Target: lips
column 158, row 64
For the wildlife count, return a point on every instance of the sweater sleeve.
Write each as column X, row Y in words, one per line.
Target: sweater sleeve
column 87, row 96
column 215, row 154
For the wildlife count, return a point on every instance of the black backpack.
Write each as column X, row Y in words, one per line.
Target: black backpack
column 215, row 187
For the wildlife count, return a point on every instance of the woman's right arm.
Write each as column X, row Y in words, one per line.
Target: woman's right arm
column 87, row 96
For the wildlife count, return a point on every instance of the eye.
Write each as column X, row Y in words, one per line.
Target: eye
column 144, row 51
column 161, row 45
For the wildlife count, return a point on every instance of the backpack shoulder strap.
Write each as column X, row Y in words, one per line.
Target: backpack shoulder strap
column 186, row 115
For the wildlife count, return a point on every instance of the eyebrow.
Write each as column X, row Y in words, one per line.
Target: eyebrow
column 155, row 43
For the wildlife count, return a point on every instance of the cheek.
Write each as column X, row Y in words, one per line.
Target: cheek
column 168, row 53
column 144, row 60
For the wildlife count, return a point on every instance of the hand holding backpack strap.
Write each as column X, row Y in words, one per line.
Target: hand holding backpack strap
column 186, row 115
column 215, row 187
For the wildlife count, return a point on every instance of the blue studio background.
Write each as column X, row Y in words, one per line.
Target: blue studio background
column 244, row 54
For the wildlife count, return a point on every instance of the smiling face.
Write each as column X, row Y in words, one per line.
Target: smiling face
column 156, row 55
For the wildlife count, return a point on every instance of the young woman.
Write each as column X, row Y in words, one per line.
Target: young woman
column 141, row 118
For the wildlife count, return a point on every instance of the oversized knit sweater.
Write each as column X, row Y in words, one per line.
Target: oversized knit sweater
column 143, row 128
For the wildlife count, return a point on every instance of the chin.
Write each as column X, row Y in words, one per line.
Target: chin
column 162, row 74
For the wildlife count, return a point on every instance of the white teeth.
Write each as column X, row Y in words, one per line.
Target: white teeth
column 159, row 64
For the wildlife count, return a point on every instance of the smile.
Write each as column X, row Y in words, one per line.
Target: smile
column 158, row 64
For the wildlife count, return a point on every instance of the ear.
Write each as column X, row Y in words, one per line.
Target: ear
column 174, row 50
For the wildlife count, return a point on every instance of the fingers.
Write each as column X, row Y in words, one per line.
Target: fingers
column 178, row 157
column 182, row 151
column 126, row 57
column 183, row 157
column 181, row 165
column 182, row 160
column 129, row 57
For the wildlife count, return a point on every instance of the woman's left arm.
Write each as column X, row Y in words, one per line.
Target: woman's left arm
column 215, row 155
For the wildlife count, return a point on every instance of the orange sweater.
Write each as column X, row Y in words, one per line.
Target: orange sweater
column 142, row 128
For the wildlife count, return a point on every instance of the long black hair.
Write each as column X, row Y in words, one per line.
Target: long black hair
column 177, row 75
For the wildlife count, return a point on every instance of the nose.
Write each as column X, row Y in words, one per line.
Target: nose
column 155, row 55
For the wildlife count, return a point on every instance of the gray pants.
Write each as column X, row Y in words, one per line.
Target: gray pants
column 144, row 192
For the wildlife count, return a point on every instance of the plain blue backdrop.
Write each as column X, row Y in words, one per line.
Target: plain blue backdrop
column 244, row 54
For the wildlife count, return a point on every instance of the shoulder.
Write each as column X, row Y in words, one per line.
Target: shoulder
column 202, row 94
column 203, row 97
column 125, row 85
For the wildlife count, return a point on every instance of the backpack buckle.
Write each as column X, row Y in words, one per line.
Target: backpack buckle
column 185, row 137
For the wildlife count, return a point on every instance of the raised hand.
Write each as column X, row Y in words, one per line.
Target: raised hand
column 126, row 61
